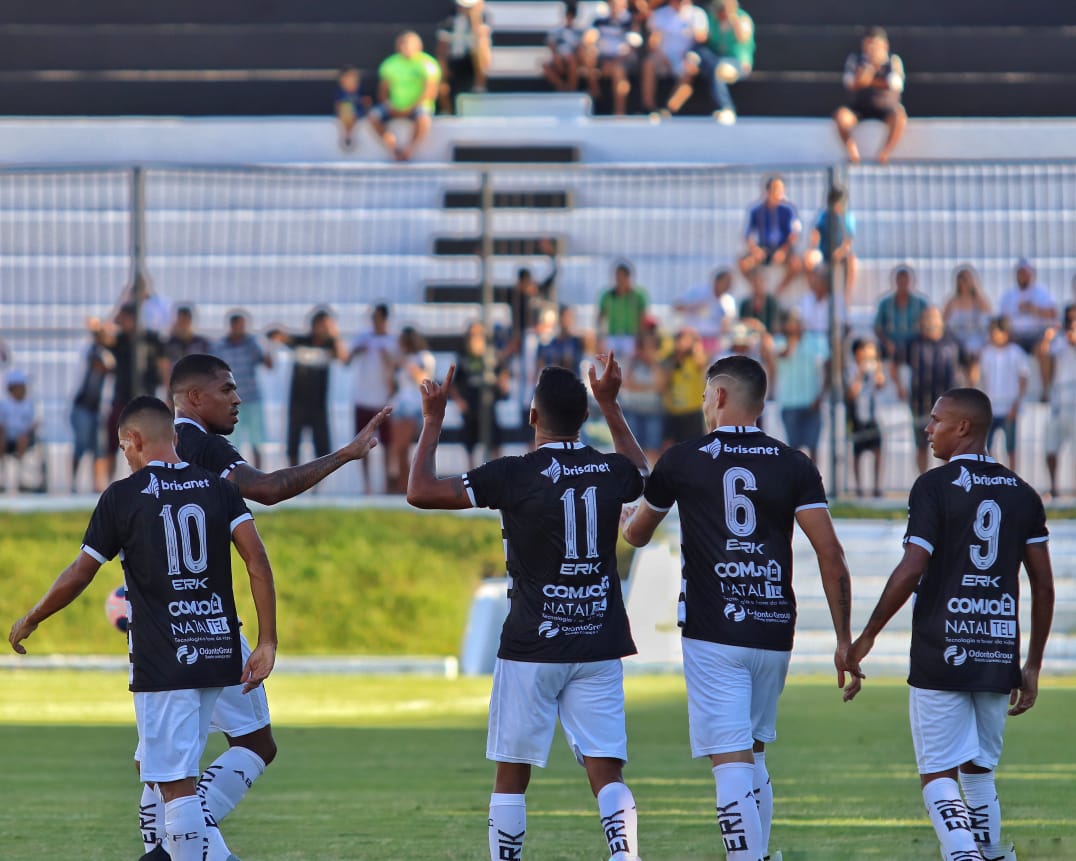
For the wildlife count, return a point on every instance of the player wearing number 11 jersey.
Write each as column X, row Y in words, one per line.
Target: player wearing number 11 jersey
column 566, row 629
column 971, row 524
column 739, row 493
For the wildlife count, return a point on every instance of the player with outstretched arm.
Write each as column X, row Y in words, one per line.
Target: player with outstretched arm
column 971, row 524
column 739, row 493
column 567, row 630
column 172, row 524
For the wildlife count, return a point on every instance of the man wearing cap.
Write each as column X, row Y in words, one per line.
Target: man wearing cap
column 18, row 417
column 464, row 45
column 1029, row 307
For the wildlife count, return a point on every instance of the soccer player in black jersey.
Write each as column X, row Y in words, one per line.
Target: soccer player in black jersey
column 971, row 524
column 566, row 629
column 207, row 408
column 173, row 523
column 739, row 493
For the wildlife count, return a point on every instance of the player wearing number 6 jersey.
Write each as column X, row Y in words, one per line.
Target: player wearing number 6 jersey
column 971, row 523
column 566, row 629
column 173, row 524
column 739, row 493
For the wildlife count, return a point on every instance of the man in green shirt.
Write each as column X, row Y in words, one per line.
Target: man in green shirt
column 408, row 87
column 726, row 57
column 620, row 312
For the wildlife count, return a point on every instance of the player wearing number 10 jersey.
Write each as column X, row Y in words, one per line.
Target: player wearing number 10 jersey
column 173, row 524
column 739, row 493
column 566, row 630
column 971, row 524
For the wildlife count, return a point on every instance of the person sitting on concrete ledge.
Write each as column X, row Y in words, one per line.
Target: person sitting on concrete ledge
column 407, row 90
column 875, row 80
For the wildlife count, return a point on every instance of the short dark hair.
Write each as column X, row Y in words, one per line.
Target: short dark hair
column 195, row 369
column 623, row 266
column 1001, row 323
column 835, row 196
column 320, row 313
column 382, row 309
column 346, row 70
column 973, row 403
column 749, row 375
column 144, row 406
column 771, row 179
column 561, row 401
column 876, row 32
column 185, row 311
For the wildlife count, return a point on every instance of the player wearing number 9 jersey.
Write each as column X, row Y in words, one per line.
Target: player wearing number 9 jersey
column 739, row 493
column 971, row 524
column 566, row 629
column 173, row 524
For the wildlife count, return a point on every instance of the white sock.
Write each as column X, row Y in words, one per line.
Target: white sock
column 984, row 809
column 737, row 813
column 764, row 799
column 151, row 817
column 507, row 826
column 184, row 826
column 616, row 806
column 949, row 817
column 224, row 783
column 217, row 848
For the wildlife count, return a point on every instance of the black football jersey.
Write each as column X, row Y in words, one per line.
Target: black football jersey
column 208, row 450
column 171, row 525
column 738, row 492
column 560, row 518
column 975, row 518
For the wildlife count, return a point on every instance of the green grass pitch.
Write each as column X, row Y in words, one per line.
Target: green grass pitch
column 393, row 769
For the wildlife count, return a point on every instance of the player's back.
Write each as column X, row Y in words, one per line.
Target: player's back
column 738, row 491
column 975, row 518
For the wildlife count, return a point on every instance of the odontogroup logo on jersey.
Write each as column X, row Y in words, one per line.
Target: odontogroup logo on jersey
column 735, row 613
column 187, row 654
column 955, row 656
column 548, row 630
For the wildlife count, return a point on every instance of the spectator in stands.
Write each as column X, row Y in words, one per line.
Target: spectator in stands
column 243, row 353
column 562, row 67
column 685, row 379
column 750, row 338
column 1052, row 344
column 308, row 402
column 814, row 309
column 710, row 310
column 864, row 379
column 727, row 57
column 350, row 104
column 470, row 386
column 86, row 413
column 675, row 29
column 896, row 322
column 608, row 51
column 819, row 257
column 567, row 349
column 802, row 383
column 183, row 340
column 408, row 87
column 1029, row 306
column 874, row 79
column 934, row 359
column 414, row 363
column 641, row 394
column 464, row 45
column 19, row 421
column 530, row 297
column 1061, row 384
column 373, row 364
column 1002, row 371
column 129, row 382
column 154, row 310
column 773, row 229
column 762, row 306
column 620, row 312
column 967, row 317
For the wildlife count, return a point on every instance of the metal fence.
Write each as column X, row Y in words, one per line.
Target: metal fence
column 279, row 241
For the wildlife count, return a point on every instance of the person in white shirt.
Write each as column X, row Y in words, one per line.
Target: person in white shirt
column 1060, row 378
column 1002, row 372
column 373, row 364
column 18, row 419
column 675, row 29
column 709, row 309
column 1029, row 306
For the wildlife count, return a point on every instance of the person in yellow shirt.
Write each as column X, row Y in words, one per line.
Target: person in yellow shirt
column 408, row 87
column 685, row 369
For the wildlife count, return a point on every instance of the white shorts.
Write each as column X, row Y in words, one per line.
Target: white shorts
column 235, row 713
column 950, row 728
column 172, row 731
column 528, row 698
column 732, row 694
